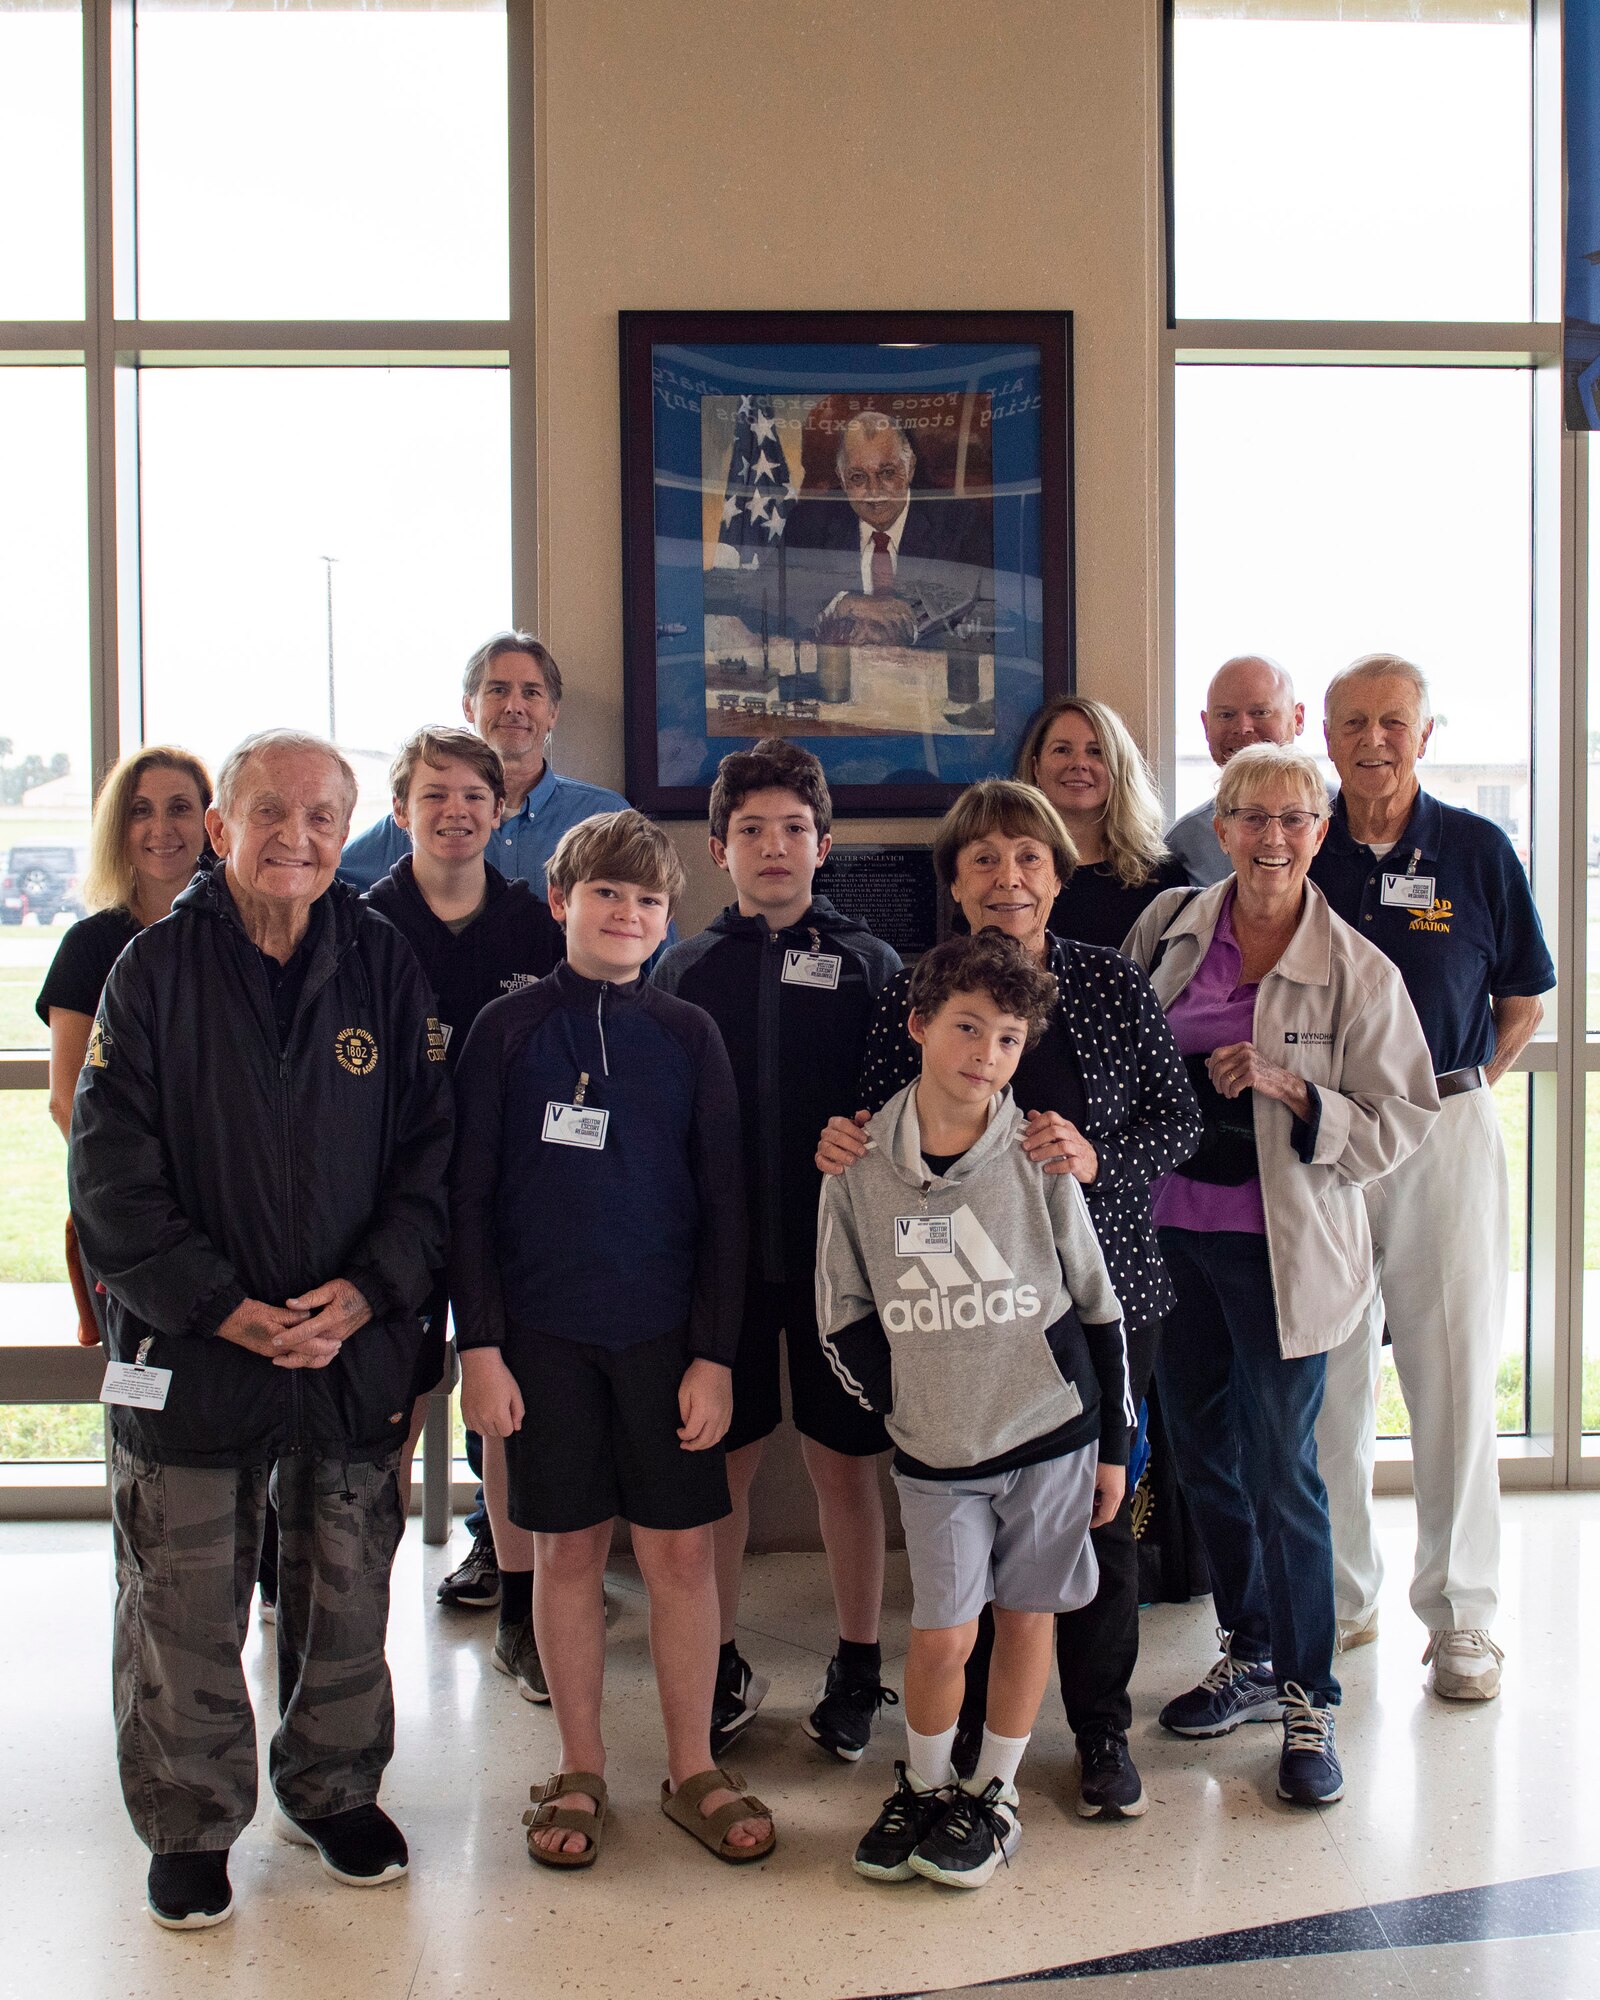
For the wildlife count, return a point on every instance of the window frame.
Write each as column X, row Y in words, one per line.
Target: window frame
column 1554, row 1453
column 111, row 344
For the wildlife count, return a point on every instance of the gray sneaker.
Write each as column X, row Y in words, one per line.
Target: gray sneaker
column 517, row 1656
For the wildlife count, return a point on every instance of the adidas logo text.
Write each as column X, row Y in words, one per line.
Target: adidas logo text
column 938, row 1312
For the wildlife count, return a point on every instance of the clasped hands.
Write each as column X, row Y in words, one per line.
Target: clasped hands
column 858, row 620
column 304, row 1332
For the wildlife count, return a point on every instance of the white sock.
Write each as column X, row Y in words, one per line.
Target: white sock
column 998, row 1757
column 928, row 1758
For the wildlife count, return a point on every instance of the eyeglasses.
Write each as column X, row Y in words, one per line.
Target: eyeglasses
column 1254, row 820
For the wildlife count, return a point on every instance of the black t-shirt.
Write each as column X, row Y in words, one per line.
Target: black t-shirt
column 83, row 959
column 287, row 980
column 1096, row 907
column 939, row 1164
column 1048, row 1077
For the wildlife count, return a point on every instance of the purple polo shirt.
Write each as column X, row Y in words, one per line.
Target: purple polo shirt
column 1211, row 1012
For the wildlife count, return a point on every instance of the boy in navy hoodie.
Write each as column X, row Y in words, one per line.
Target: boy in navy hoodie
column 597, row 1273
column 792, row 984
column 476, row 935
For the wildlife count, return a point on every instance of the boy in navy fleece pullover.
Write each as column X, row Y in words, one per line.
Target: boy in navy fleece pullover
column 792, row 984
column 476, row 935
column 597, row 1275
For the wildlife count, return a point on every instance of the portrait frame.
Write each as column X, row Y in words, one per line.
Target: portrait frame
column 907, row 686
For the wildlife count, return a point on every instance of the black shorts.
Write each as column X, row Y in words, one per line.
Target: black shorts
column 599, row 1438
column 823, row 1409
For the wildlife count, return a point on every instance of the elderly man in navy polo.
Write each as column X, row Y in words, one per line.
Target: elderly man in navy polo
column 511, row 695
column 1440, row 891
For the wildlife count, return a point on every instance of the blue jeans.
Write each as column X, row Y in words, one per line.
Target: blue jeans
column 1242, row 1422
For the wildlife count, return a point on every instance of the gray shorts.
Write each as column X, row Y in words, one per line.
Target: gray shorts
column 1017, row 1539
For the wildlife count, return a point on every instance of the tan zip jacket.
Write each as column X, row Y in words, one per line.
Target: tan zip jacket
column 1335, row 1011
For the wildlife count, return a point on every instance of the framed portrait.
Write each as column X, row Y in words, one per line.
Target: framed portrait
column 849, row 529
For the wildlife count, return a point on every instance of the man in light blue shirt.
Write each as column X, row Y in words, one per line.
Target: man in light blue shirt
column 511, row 695
column 1250, row 700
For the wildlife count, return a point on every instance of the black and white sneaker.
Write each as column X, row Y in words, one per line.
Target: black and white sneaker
column 475, row 1585
column 361, row 1846
column 740, row 1692
column 1108, row 1782
column 516, row 1655
column 189, row 1892
column 977, row 1832
column 909, row 1815
column 842, row 1719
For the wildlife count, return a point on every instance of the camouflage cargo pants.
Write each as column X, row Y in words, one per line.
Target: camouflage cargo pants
column 187, row 1543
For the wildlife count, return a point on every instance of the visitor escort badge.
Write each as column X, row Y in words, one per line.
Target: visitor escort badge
column 812, row 968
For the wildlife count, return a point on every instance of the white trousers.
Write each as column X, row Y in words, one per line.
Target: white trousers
column 1441, row 1243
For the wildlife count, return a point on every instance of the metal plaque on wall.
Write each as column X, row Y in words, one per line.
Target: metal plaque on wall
column 889, row 889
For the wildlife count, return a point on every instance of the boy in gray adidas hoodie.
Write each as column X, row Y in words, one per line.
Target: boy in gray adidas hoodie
column 962, row 1294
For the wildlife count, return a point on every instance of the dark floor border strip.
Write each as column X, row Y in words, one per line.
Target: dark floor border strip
column 1535, row 1906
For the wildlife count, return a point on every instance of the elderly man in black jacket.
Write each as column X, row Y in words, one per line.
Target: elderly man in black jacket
column 259, row 1145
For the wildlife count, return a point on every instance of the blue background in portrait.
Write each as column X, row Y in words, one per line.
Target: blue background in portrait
column 1011, row 375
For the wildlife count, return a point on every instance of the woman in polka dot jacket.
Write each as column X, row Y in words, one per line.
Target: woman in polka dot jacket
column 1109, row 1101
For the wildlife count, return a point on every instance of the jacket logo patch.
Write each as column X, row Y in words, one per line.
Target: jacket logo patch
column 1305, row 1038
column 971, row 1285
column 518, row 980
column 1436, row 919
column 356, row 1051
column 438, row 1040
column 98, row 1053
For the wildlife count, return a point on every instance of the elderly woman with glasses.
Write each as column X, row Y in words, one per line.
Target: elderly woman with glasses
column 1314, row 1079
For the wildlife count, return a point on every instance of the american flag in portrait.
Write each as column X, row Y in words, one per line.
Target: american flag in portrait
column 760, row 495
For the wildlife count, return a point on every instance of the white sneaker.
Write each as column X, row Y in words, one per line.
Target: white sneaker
column 1463, row 1666
column 1355, row 1632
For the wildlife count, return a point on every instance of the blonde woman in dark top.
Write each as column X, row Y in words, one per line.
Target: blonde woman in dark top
column 1080, row 755
column 149, row 832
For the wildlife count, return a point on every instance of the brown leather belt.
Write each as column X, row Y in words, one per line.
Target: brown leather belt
column 1458, row 1081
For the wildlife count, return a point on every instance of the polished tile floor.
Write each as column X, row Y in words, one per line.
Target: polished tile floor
column 1440, row 1799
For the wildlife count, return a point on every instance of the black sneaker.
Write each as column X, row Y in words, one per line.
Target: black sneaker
column 908, row 1817
column 842, row 1720
column 476, row 1584
column 189, row 1892
column 969, row 1741
column 361, row 1846
column 1108, row 1783
column 516, row 1654
column 740, row 1692
column 976, row 1833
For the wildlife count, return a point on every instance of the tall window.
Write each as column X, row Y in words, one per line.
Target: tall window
column 255, row 393
column 1364, row 449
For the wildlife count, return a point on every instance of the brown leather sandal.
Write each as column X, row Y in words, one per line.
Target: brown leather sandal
column 570, row 1819
column 682, row 1807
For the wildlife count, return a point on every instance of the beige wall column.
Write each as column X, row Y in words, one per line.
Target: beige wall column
column 915, row 153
